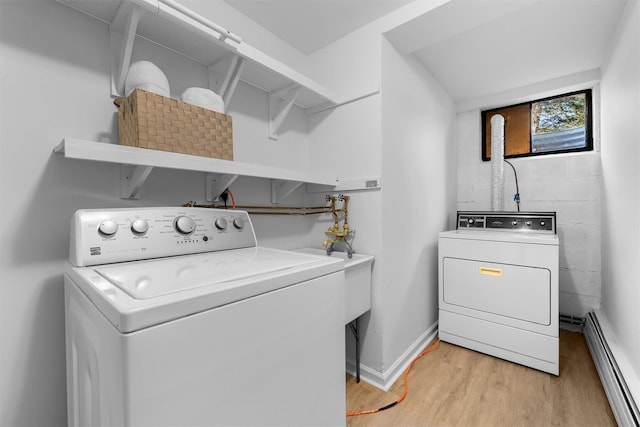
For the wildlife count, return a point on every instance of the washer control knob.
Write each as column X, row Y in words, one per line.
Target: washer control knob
column 238, row 223
column 184, row 225
column 139, row 226
column 528, row 223
column 108, row 227
column 514, row 222
column 221, row 224
column 470, row 221
column 542, row 223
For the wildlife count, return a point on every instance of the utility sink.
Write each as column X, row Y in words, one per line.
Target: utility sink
column 357, row 271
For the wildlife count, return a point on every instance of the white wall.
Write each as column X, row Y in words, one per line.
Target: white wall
column 568, row 184
column 349, row 139
column 418, row 158
column 620, row 312
column 404, row 134
column 54, row 83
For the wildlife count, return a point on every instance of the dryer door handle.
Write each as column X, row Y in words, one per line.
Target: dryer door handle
column 490, row 271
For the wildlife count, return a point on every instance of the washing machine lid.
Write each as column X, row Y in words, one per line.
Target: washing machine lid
column 139, row 294
column 153, row 278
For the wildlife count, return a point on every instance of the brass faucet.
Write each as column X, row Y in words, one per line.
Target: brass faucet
column 334, row 233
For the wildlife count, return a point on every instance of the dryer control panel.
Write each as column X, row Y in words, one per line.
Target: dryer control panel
column 526, row 222
column 104, row 236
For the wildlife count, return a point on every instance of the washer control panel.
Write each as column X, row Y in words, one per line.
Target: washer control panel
column 104, row 236
column 531, row 222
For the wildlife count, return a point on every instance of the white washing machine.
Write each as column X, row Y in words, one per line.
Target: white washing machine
column 174, row 316
column 498, row 286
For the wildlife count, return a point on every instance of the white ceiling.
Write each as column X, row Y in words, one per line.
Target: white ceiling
column 480, row 47
column 472, row 47
column 309, row 25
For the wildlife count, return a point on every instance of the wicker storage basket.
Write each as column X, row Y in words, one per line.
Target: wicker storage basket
column 149, row 120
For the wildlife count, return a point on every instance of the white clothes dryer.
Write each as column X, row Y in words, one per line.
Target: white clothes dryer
column 498, row 286
column 174, row 316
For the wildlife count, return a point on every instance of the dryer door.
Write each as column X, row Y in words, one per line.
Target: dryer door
column 511, row 291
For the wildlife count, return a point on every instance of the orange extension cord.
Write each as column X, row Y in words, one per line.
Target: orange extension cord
column 233, row 199
column 406, row 383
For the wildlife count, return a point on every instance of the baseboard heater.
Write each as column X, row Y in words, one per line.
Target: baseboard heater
column 620, row 398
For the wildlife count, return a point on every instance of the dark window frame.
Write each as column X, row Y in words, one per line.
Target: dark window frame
column 486, row 134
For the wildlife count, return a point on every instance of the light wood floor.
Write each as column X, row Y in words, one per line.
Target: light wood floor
column 453, row 386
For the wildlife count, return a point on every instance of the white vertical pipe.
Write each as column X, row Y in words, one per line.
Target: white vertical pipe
column 497, row 163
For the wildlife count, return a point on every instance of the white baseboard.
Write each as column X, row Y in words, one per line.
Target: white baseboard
column 384, row 380
column 620, row 396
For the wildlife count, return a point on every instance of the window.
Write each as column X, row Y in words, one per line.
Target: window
column 558, row 124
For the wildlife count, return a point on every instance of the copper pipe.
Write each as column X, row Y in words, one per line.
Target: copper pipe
column 336, row 220
column 282, row 207
column 284, row 210
column 345, row 209
column 286, row 213
column 271, row 210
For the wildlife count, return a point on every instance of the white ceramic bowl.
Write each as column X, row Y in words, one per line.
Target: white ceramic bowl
column 204, row 98
column 147, row 76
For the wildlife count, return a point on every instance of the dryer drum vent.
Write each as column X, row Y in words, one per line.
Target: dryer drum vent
column 497, row 163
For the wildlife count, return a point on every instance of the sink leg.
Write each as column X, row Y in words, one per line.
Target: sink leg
column 355, row 330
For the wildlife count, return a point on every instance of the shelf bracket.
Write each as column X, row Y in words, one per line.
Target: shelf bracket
column 217, row 183
column 131, row 180
column 280, row 103
column 228, row 85
column 122, row 32
column 281, row 189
